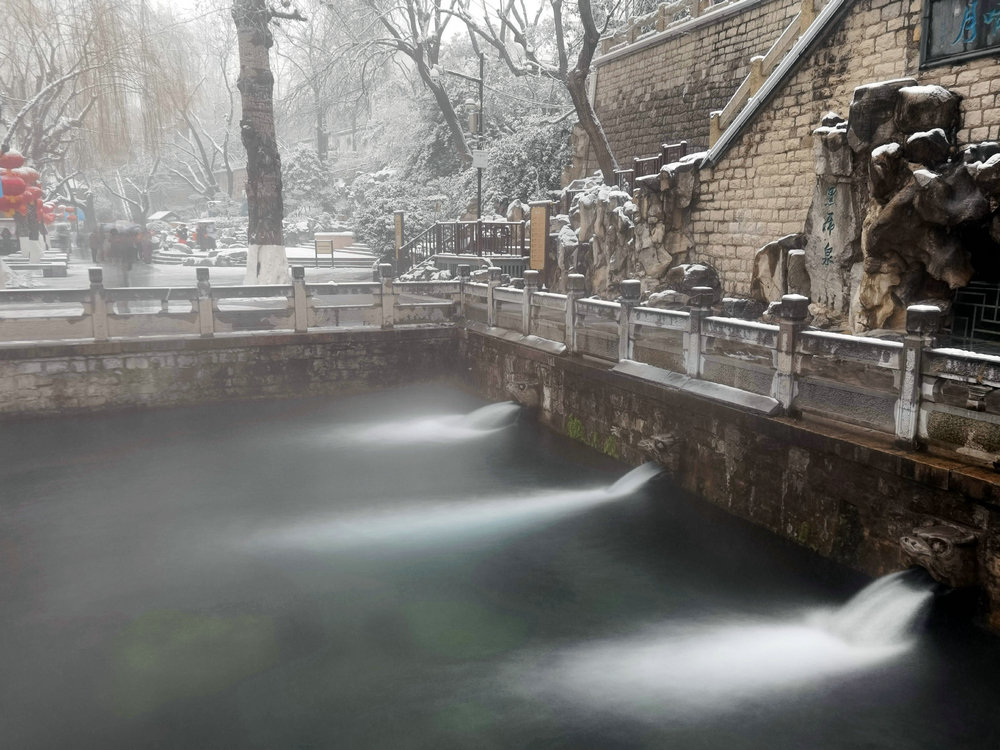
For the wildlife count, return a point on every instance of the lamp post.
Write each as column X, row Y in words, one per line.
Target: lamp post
column 476, row 121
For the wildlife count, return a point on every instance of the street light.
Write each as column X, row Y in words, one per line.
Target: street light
column 477, row 121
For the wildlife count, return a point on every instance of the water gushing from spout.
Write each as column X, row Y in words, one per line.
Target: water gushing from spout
column 886, row 612
column 450, row 428
column 427, row 522
column 686, row 669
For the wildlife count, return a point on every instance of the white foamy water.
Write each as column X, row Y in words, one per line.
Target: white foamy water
column 429, row 521
column 449, row 428
column 692, row 669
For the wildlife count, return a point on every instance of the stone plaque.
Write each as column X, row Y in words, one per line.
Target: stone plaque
column 834, row 231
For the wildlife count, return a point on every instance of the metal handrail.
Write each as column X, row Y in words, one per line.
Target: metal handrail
column 464, row 238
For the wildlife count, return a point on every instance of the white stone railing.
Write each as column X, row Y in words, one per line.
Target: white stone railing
column 101, row 313
column 785, row 368
column 898, row 388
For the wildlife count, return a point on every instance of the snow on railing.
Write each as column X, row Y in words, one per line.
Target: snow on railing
column 891, row 386
column 679, row 16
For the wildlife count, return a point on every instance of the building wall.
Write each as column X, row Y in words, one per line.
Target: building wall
column 762, row 187
column 664, row 93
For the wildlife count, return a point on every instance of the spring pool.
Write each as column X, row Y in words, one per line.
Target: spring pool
column 413, row 570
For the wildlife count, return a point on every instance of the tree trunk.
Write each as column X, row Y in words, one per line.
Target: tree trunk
column 576, row 83
column 322, row 137
column 266, row 259
column 450, row 117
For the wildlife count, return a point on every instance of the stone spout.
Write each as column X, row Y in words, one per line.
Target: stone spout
column 525, row 391
column 947, row 552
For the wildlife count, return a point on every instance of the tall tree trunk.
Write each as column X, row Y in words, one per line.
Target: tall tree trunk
column 448, row 111
column 322, row 137
column 576, row 83
column 266, row 259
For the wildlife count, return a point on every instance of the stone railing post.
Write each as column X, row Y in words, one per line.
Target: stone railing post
column 98, row 304
column 807, row 14
column 757, row 73
column 792, row 314
column 631, row 291
column 530, row 287
column 388, row 295
column 714, row 127
column 206, row 305
column 300, row 299
column 464, row 273
column 576, row 287
column 701, row 298
column 922, row 322
column 492, row 282
column 661, row 18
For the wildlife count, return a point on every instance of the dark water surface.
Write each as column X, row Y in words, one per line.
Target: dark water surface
column 363, row 573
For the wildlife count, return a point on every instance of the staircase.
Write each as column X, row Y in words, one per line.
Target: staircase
column 768, row 71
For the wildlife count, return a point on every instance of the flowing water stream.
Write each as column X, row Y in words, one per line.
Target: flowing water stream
column 417, row 570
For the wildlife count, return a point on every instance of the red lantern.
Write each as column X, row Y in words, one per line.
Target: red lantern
column 11, row 160
column 6, row 204
column 33, row 194
column 29, row 175
column 12, row 185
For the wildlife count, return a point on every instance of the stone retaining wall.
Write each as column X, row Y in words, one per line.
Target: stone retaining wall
column 65, row 378
column 850, row 496
column 762, row 188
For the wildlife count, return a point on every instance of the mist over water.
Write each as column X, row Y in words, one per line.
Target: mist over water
column 417, row 570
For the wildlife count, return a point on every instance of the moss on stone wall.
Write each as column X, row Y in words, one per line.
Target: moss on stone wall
column 606, row 444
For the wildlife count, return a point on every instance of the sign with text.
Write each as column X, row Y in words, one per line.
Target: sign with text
column 539, row 234
column 480, row 159
column 956, row 30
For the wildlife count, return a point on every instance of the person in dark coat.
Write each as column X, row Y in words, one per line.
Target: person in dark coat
column 96, row 242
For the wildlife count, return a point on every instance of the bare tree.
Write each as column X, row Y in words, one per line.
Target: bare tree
column 135, row 195
column 89, row 70
column 518, row 37
column 416, row 29
column 197, row 155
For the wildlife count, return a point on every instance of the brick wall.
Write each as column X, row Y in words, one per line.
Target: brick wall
column 666, row 91
column 762, row 187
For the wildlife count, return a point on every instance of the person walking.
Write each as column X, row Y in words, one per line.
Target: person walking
column 96, row 241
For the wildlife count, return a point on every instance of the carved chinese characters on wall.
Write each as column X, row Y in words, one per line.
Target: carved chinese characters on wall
column 833, row 228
